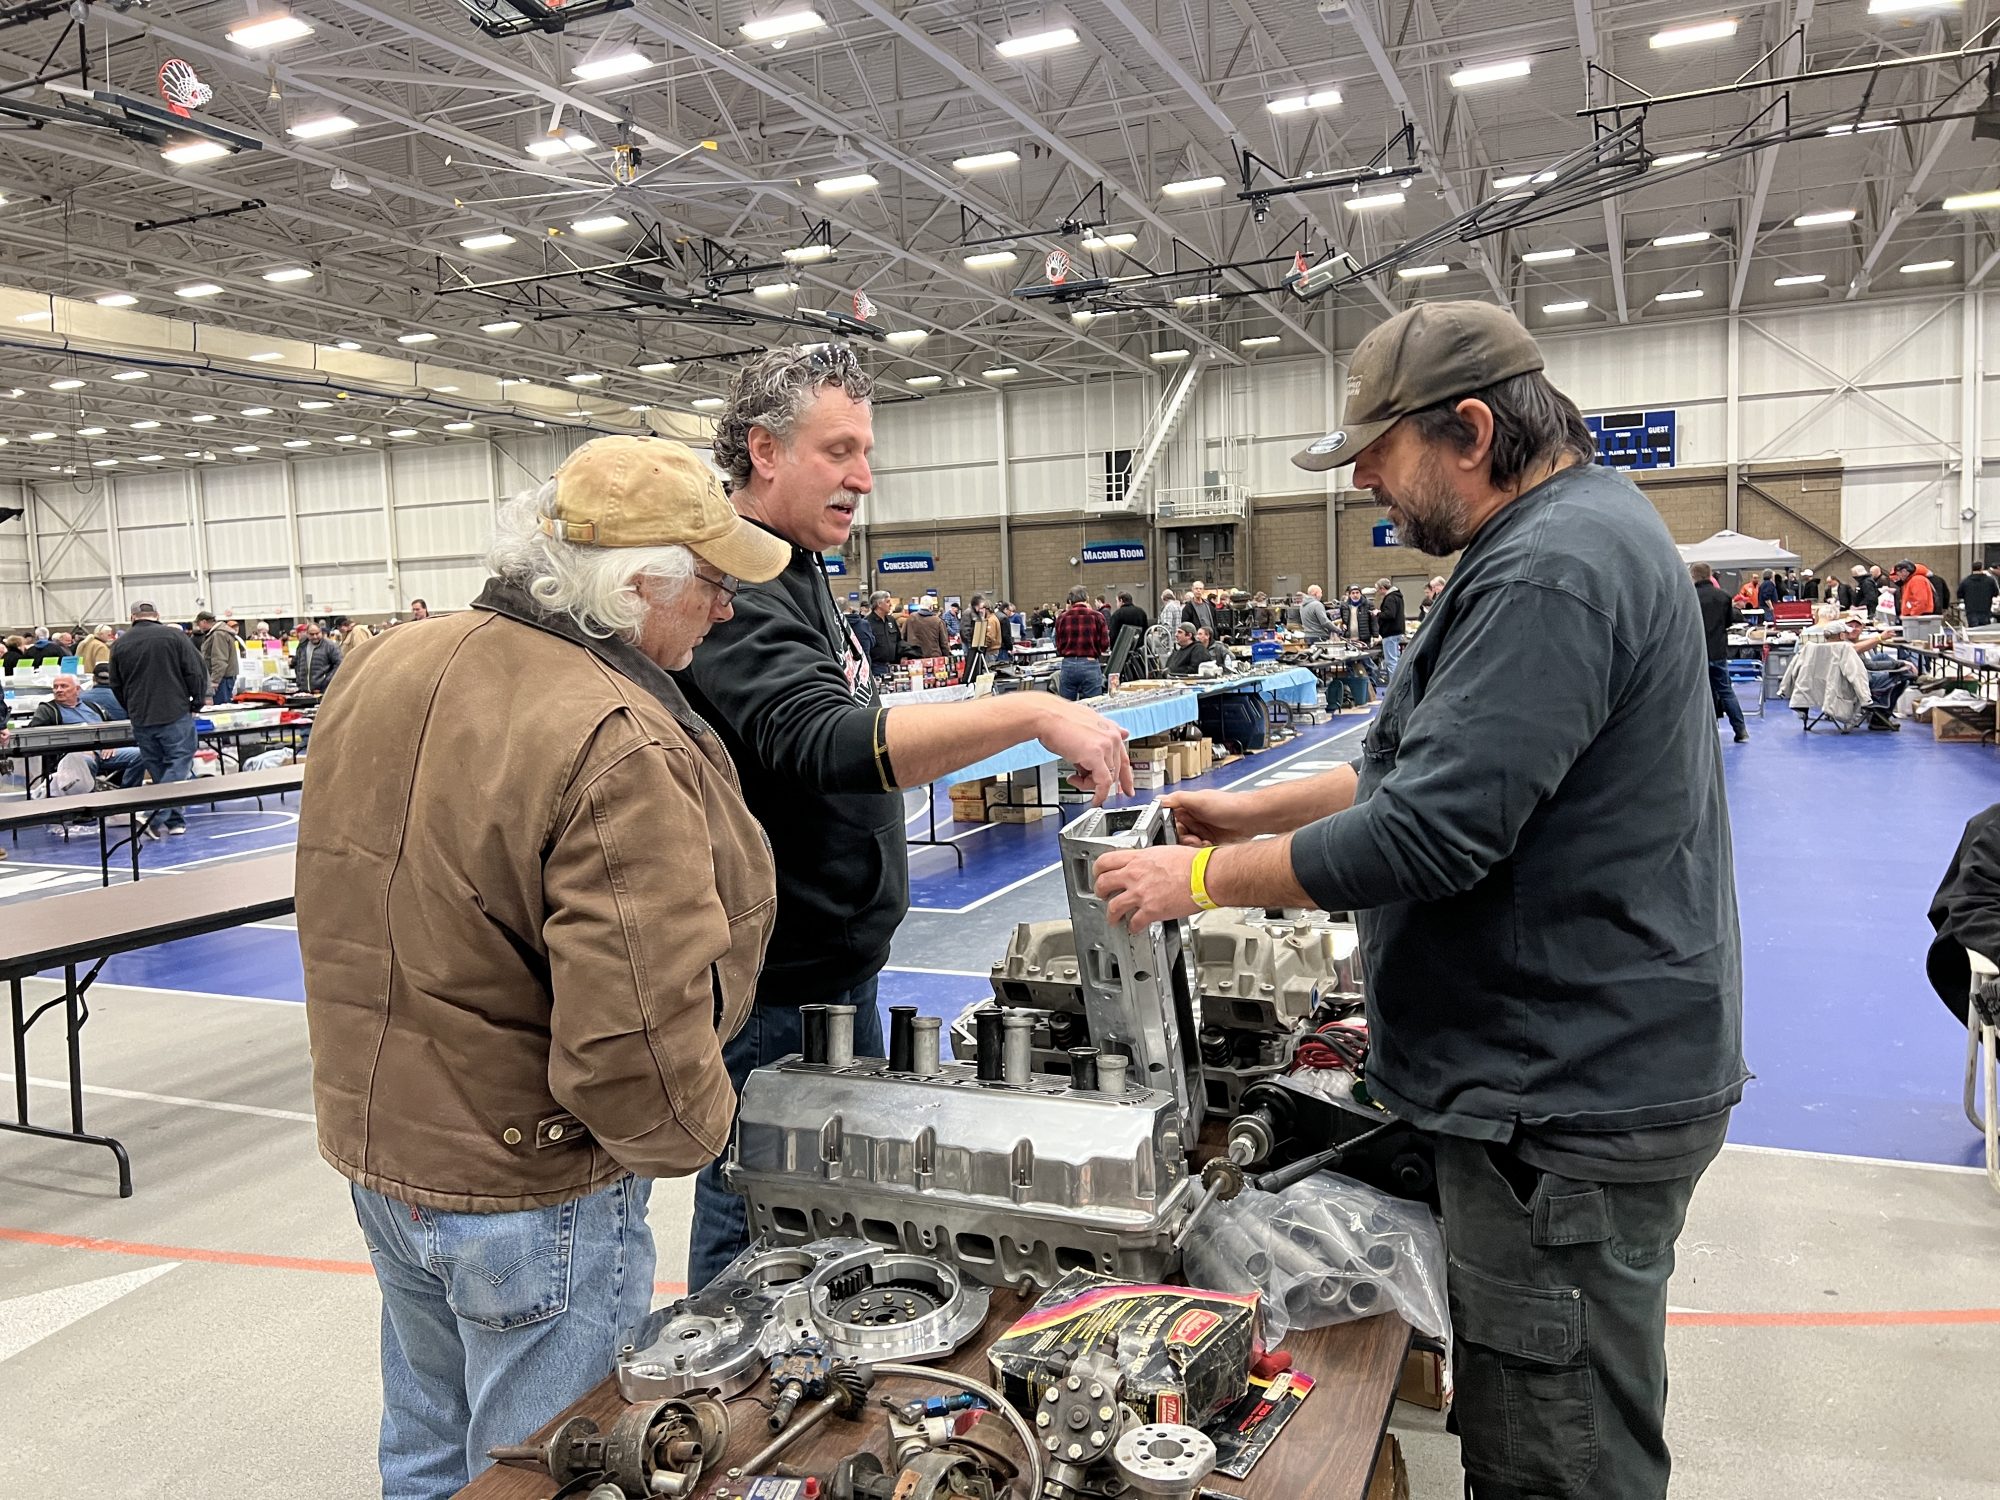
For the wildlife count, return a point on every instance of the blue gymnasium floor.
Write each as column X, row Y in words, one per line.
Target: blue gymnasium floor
column 1840, row 842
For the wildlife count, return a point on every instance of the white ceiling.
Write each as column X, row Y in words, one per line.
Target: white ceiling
column 1151, row 93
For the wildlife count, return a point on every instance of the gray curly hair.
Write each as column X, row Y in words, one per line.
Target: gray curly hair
column 774, row 391
column 597, row 587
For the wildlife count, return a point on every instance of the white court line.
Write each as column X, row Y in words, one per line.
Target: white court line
column 51, row 988
column 260, row 828
column 1247, row 781
column 216, row 1104
column 946, row 973
column 1857, row 1161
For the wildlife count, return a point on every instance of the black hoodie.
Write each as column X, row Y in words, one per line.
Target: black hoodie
column 793, row 696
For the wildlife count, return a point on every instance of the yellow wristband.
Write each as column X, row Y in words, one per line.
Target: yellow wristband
column 1198, row 880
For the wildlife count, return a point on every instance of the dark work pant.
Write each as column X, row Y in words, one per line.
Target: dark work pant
column 721, row 1229
column 1724, row 692
column 1558, row 1295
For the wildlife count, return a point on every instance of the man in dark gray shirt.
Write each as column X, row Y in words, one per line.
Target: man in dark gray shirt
column 1545, row 888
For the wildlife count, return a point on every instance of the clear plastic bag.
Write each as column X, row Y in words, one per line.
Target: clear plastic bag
column 1326, row 1250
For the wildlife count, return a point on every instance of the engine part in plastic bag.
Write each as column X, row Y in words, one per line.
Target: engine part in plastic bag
column 1325, row 1250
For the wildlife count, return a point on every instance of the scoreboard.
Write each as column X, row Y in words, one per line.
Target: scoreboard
column 1634, row 439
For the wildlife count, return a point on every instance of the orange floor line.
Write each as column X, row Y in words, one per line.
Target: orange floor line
column 1914, row 1317
column 219, row 1257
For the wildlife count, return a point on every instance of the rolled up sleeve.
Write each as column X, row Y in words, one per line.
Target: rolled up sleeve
column 634, row 926
column 1525, row 685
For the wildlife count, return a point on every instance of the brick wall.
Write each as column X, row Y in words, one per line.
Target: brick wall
column 1044, row 546
column 1287, row 537
column 1362, row 562
column 966, row 557
column 1693, row 502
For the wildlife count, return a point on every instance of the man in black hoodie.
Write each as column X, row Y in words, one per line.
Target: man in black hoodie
column 1718, row 613
column 823, row 764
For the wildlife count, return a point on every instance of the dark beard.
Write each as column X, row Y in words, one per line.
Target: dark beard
column 1435, row 520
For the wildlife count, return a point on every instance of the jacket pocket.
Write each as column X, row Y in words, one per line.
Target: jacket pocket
column 1525, row 1393
column 504, row 1270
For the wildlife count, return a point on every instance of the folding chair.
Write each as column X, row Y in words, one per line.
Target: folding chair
column 1743, row 674
column 1982, row 1057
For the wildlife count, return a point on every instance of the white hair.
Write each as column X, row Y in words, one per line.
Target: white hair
column 597, row 587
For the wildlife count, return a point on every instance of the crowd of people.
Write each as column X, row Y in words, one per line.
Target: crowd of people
column 1912, row 589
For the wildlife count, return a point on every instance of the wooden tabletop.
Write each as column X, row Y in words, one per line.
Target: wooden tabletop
column 85, row 925
column 153, row 796
column 1326, row 1450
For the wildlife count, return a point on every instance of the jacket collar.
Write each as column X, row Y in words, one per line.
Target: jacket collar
column 502, row 597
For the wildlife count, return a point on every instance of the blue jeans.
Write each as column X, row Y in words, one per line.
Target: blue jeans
column 1392, row 652
column 123, row 763
column 225, row 690
column 166, row 751
column 1724, row 692
column 721, row 1228
column 1079, row 677
column 493, row 1323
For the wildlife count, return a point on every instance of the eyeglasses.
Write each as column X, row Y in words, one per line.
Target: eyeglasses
column 725, row 585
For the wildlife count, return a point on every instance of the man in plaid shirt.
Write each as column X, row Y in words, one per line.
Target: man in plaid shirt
column 1083, row 640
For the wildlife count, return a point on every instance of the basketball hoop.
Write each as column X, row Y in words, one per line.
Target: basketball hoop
column 182, row 87
column 1056, row 267
column 864, row 305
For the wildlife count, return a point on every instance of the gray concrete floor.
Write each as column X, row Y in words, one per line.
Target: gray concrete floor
column 246, row 1367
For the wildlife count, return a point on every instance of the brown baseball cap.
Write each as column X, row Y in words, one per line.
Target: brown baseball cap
column 1433, row 352
column 655, row 492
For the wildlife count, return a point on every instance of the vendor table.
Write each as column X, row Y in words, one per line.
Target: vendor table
column 134, row 802
column 60, row 739
column 1327, row 1450
column 1933, row 661
column 89, row 927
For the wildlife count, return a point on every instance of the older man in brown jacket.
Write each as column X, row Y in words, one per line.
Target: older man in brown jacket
column 526, row 936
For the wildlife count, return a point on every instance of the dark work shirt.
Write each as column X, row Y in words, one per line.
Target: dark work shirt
column 1718, row 613
column 1186, row 660
column 1541, row 861
column 157, row 672
column 1976, row 592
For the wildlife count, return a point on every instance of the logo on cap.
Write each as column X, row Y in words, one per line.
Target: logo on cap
column 1328, row 443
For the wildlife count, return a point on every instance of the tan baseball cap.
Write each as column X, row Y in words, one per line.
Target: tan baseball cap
column 1433, row 352
column 654, row 492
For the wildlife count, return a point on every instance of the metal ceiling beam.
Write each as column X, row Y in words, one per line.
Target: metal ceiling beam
column 1614, row 221
column 1033, row 124
column 1371, row 43
column 1752, row 217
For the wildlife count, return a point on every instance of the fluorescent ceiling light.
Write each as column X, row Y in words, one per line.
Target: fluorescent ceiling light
column 1261, row 341
column 1097, row 242
column 904, row 338
column 347, row 437
column 1188, row 186
column 1813, row 280
column 246, row 448
column 194, row 453
column 602, row 224
column 1543, row 257
column 68, row 383
column 416, row 338
column 1000, row 372
column 1687, row 296
column 1903, row 7
column 505, row 325
column 1467, row 78
column 1421, row 273
column 255, row 411
column 269, row 31
column 615, row 66
column 152, row 458
column 448, row 390
column 1196, row 299
column 117, row 299
column 924, row 380
column 1917, row 267
column 491, row 241
column 1830, row 216
column 298, row 442
column 1691, row 237
column 191, row 153
column 266, row 356
column 1679, row 159
column 320, row 127
column 1374, row 200
column 1965, row 203
column 289, row 273
column 402, row 432
column 104, row 463
column 772, row 290
column 458, row 426
column 1565, row 307
column 659, row 367
column 41, row 437
column 790, row 23
column 199, row 289
column 708, row 403
column 42, row 315
column 1862, row 127
column 1036, row 43
column 853, row 182
column 146, row 425
column 132, row 375
column 90, row 432
column 989, row 260
column 1702, row 31
column 1321, row 99
column 347, row 344
column 805, row 255
column 1159, row 356
column 558, row 145
column 985, row 160
column 202, row 417
column 583, row 377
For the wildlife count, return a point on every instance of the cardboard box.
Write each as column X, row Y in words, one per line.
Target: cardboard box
column 1148, row 755
column 1007, row 813
column 1959, row 727
column 1423, row 1380
column 1391, row 1480
column 995, row 795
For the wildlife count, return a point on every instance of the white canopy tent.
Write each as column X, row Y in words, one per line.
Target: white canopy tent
column 1733, row 552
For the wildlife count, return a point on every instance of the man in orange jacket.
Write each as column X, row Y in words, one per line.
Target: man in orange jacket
column 1916, row 591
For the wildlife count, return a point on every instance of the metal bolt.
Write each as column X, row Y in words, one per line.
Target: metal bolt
column 511, row 1136
column 1104, row 1414
column 1075, row 1451
column 556, row 1131
column 1041, row 1419
column 1096, row 1390
column 1073, row 1383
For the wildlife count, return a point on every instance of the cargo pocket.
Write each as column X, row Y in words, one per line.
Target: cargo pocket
column 505, row 1270
column 1525, row 1394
